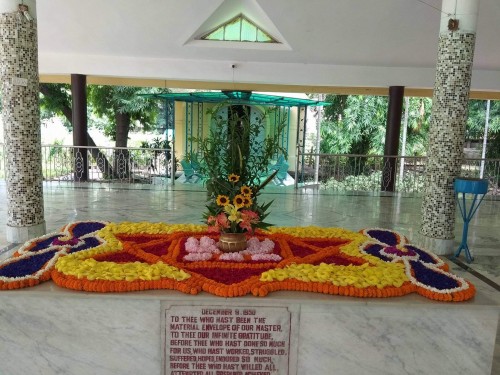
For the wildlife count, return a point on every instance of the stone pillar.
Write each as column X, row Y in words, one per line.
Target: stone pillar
column 21, row 119
column 448, row 121
column 79, row 120
column 392, row 131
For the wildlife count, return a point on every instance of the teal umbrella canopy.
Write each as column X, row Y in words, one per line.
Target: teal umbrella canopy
column 237, row 97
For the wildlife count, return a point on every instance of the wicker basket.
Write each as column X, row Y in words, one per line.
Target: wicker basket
column 232, row 242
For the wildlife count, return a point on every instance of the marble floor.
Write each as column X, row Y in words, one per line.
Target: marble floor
column 184, row 203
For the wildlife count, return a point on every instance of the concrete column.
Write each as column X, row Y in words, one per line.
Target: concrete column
column 392, row 131
column 21, row 119
column 448, row 121
column 79, row 120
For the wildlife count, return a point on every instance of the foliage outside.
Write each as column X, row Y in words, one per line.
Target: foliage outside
column 124, row 109
column 412, row 182
column 355, row 124
column 235, row 160
column 115, row 110
column 162, row 154
column 476, row 123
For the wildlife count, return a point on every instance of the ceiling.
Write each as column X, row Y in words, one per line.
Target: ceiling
column 355, row 43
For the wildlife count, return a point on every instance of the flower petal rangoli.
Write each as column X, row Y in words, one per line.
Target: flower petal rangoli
column 34, row 261
column 117, row 257
column 426, row 271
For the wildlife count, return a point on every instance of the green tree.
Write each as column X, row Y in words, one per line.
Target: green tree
column 419, row 115
column 476, row 121
column 356, row 124
column 55, row 100
column 120, row 106
column 124, row 109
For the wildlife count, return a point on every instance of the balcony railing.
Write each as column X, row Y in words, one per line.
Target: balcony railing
column 375, row 173
column 103, row 164
column 336, row 173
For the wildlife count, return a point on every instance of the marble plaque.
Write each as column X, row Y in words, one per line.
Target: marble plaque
column 226, row 340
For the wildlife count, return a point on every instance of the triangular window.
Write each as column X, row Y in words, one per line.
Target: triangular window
column 239, row 29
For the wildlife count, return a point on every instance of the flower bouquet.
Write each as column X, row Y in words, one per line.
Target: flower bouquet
column 236, row 156
column 234, row 213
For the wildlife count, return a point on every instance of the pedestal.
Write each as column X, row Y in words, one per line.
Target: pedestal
column 477, row 188
column 49, row 330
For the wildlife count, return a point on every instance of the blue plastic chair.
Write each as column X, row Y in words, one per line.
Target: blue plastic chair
column 278, row 164
column 195, row 163
column 189, row 172
column 282, row 174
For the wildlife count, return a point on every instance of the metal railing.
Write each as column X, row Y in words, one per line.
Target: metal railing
column 375, row 173
column 484, row 168
column 106, row 164
column 337, row 173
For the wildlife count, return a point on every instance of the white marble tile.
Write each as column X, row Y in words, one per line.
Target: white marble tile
column 386, row 340
column 79, row 336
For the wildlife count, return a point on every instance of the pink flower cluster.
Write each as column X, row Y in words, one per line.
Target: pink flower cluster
column 248, row 218
column 232, row 257
column 217, row 224
column 254, row 246
column 200, row 250
column 206, row 249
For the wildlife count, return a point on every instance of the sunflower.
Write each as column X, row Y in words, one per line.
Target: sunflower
column 245, row 190
column 239, row 201
column 233, row 177
column 247, row 201
column 222, row 200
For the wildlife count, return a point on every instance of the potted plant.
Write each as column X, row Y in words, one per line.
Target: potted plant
column 235, row 163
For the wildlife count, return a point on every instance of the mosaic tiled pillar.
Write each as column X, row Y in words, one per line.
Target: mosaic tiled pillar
column 21, row 119
column 447, row 127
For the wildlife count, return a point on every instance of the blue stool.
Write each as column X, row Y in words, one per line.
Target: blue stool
column 477, row 187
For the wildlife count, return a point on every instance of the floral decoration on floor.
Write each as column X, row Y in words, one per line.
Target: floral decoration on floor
column 119, row 257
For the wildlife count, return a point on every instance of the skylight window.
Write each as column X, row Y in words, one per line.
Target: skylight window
column 239, row 29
